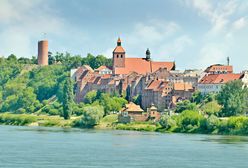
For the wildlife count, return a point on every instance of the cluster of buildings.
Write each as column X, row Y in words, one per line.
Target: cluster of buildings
column 158, row 85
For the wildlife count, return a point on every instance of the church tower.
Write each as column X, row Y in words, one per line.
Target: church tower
column 119, row 55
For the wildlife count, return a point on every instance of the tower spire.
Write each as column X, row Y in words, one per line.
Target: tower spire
column 228, row 61
column 119, row 42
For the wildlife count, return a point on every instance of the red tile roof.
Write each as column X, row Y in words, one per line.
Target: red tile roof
column 183, row 86
column 157, row 85
column 219, row 67
column 103, row 67
column 219, row 78
column 119, row 49
column 131, row 107
column 142, row 66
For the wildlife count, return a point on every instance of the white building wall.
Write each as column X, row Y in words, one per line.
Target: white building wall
column 209, row 88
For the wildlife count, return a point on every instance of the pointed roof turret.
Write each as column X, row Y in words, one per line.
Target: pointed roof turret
column 119, row 48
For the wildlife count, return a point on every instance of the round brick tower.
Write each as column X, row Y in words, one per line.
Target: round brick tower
column 43, row 52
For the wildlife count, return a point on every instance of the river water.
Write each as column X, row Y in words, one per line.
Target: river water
column 38, row 147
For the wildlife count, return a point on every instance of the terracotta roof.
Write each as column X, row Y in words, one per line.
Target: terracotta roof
column 219, row 67
column 219, row 78
column 119, row 49
column 157, row 85
column 182, row 86
column 87, row 67
column 131, row 107
column 142, row 66
column 103, row 67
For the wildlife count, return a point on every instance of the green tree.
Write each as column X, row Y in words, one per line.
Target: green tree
column 233, row 97
column 211, row 108
column 68, row 99
column 185, row 105
column 189, row 121
column 91, row 116
column 167, row 122
column 197, row 97
column 137, row 99
column 90, row 97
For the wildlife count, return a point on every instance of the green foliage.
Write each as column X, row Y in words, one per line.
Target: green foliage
column 189, row 121
column 75, row 61
column 14, row 119
column 185, row 105
column 137, row 99
column 108, row 102
column 45, row 80
column 211, row 108
column 137, row 126
column 53, row 109
column 91, row 117
column 90, row 97
column 167, row 122
column 78, row 108
column 212, row 124
column 197, row 97
column 68, row 99
column 234, row 98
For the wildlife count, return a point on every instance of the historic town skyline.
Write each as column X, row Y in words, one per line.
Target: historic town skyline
column 204, row 31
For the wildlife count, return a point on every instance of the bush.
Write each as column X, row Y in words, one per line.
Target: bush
column 17, row 119
column 91, row 117
column 185, row 105
column 190, row 121
column 211, row 108
column 167, row 122
column 212, row 124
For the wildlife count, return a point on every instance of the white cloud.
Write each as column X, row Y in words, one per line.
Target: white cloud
column 240, row 23
column 176, row 46
column 216, row 12
column 225, row 20
column 25, row 22
column 151, row 32
column 212, row 53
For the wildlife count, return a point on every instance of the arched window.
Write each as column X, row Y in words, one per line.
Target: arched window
column 121, row 55
column 117, row 56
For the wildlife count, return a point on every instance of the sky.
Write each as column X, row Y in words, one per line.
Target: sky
column 193, row 33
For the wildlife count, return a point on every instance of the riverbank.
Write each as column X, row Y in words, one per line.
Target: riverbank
column 211, row 125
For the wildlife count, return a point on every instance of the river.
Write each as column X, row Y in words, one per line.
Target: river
column 38, row 147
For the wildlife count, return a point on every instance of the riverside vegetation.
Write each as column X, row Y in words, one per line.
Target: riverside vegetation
column 33, row 95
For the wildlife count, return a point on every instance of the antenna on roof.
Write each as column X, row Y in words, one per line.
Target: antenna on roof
column 228, row 60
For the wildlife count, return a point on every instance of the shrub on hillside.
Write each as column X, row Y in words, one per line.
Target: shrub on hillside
column 211, row 108
column 190, row 121
column 91, row 117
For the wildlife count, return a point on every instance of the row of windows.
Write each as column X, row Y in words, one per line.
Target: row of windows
column 209, row 87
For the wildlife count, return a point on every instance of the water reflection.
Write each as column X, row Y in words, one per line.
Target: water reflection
column 226, row 139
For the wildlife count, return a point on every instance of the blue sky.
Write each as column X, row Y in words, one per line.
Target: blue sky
column 194, row 33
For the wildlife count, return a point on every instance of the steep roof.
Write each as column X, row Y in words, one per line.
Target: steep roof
column 119, row 49
column 142, row 66
column 219, row 78
column 157, row 85
column 103, row 67
column 131, row 107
